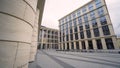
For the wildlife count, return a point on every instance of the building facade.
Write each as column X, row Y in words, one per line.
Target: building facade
column 88, row 27
column 118, row 41
column 48, row 38
column 19, row 23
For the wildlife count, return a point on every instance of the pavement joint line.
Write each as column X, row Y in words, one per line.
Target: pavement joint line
column 63, row 64
column 94, row 58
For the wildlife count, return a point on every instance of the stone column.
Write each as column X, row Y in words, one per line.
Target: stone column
column 17, row 19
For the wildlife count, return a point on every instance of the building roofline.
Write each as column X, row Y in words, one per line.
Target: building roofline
column 76, row 10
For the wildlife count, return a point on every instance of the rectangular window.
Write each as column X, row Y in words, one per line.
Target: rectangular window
column 98, row 3
column 103, row 20
column 100, row 11
column 92, row 15
column 67, row 37
column 88, row 33
column 70, row 24
column 75, row 22
column 87, row 25
column 90, row 44
column 71, row 31
column 84, row 9
column 83, row 45
column 99, row 44
column 94, row 23
column 75, row 29
column 78, row 13
column 96, row 32
column 71, row 36
column 85, row 18
column 79, row 20
column 82, row 35
column 76, row 36
column 74, row 15
column 105, row 30
column 90, row 7
column 80, row 28
column 77, row 45
column 109, row 43
column 72, row 45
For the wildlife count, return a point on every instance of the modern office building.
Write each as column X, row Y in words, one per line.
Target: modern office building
column 48, row 38
column 19, row 23
column 88, row 27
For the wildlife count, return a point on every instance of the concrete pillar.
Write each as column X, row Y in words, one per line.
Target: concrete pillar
column 103, row 43
column 17, row 19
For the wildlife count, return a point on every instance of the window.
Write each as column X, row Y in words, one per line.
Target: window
column 99, row 44
column 77, row 45
column 74, row 15
column 80, row 20
column 82, row 35
column 78, row 12
column 72, row 45
column 85, row 18
column 88, row 33
column 100, row 11
column 75, row 29
column 103, row 20
column 83, row 45
column 69, row 17
column 71, row 30
column 71, row 36
column 109, row 43
column 92, row 15
column 90, row 44
column 87, row 26
column 70, row 23
column 96, row 32
column 84, row 9
column 105, row 30
column 80, row 28
column 67, row 38
column 67, row 46
column 74, row 22
column 94, row 23
column 98, row 3
column 76, row 36
column 90, row 6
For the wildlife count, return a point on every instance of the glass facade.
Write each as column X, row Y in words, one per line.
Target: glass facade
column 85, row 24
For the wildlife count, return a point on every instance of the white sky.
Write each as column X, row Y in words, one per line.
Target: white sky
column 56, row 9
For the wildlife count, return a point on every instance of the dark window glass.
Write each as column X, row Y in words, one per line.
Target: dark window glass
column 71, row 31
column 85, row 18
column 82, row 35
column 76, row 36
column 96, row 32
column 98, row 3
column 70, row 23
column 88, row 33
column 83, row 45
column 92, row 15
column 94, row 23
column 103, row 20
column 67, row 46
column 109, row 43
column 67, row 37
column 100, row 11
column 90, row 6
column 75, row 29
column 87, row 26
column 72, row 45
column 84, row 9
column 78, row 13
column 99, row 44
column 71, row 36
column 80, row 28
column 77, row 45
column 90, row 44
column 79, row 20
column 105, row 30
column 74, row 22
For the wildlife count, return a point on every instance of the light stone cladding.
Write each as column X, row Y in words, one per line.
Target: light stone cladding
column 48, row 38
column 87, row 28
column 19, row 23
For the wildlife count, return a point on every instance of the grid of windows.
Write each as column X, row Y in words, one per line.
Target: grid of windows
column 80, row 24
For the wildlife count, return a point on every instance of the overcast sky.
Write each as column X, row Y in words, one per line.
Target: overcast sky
column 56, row 9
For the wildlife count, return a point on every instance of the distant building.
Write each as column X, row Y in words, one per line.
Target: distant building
column 48, row 38
column 88, row 27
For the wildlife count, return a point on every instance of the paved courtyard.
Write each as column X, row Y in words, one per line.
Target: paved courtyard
column 59, row 59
